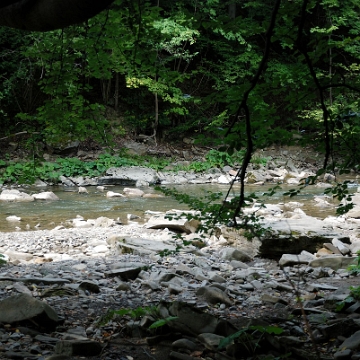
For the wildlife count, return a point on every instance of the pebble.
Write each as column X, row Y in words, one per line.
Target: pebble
column 83, row 277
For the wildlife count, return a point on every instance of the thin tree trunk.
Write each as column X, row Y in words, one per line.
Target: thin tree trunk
column 156, row 124
column 116, row 95
column 105, row 90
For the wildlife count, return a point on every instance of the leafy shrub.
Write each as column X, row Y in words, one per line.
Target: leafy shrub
column 2, row 261
column 355, row 269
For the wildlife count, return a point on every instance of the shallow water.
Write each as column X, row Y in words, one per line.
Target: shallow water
column 49, row 214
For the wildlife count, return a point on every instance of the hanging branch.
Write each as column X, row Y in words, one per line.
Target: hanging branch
column 244, row 107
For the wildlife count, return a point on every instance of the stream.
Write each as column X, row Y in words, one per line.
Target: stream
column 48, row 214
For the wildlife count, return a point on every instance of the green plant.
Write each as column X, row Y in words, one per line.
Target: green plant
column 341, row 192
column 21, row 172
column 2, row 261
column 355, row 292
column 258, row 160
column 355, row 269
column 210, row 210
column 354, row 296
column 26, row 172
column 250, row 337
column 162, row 322
column 136, row 314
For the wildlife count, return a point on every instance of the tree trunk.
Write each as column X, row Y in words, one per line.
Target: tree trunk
column 45, row 15
column 156, row 123
column 116, row 95
column 105, row 86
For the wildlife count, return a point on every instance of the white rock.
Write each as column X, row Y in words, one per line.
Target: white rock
column 82, row 190
column 15, row 195
column 13, row 218
column 142, row 183
column 46, row 195
column 224, row 179
column 329, row 178
column 341, row 246
column 80, row 223
column 292, row 181
column 300, row 212
column 133, row 192
column 100, row 249
column 104, row 221
column 111, row 194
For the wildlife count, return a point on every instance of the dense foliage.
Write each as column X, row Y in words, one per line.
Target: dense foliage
column 28, row 171
column 241, row 74
column 185, row 67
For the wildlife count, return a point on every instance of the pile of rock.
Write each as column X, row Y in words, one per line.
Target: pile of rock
column 71, row 277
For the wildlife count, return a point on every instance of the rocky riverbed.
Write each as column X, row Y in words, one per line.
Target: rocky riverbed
column 58, row 286
column 218, row 297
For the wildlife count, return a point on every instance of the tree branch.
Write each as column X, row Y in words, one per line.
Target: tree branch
column 244, row 107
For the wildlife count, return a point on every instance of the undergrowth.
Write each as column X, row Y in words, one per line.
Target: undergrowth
column 26, row 172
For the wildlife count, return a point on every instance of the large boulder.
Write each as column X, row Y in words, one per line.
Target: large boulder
column 294, row 235
column 129, row 245
column 133, row 192
column 285, row 235
column 335, row 262
column 24, row 307
column 128, row 176
column 15, row 195
column 46, row 195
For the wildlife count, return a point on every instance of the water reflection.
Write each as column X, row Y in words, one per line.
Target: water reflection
column 49, row 214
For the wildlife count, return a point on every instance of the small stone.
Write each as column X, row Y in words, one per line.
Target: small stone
column 123, row 286
column 184, row 344
column 90, row 286
column 213, row 295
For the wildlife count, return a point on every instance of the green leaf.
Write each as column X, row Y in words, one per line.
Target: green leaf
column 162, row 322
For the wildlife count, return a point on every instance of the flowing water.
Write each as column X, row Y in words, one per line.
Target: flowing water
column 49, row 214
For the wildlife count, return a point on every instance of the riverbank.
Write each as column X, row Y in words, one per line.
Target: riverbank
column 211, row 287
column 82, row 273
column 93, row 197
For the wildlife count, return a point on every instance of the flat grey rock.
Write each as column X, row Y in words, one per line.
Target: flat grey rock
column 130, row 245
column 352, row 342
column 334, row 262
column 128, row 176
column 22, row 307
column 36, row 280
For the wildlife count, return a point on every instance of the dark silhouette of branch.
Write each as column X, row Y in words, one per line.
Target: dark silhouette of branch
column 244, row 107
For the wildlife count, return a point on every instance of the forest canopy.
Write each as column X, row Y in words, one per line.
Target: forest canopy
column 244, row 74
